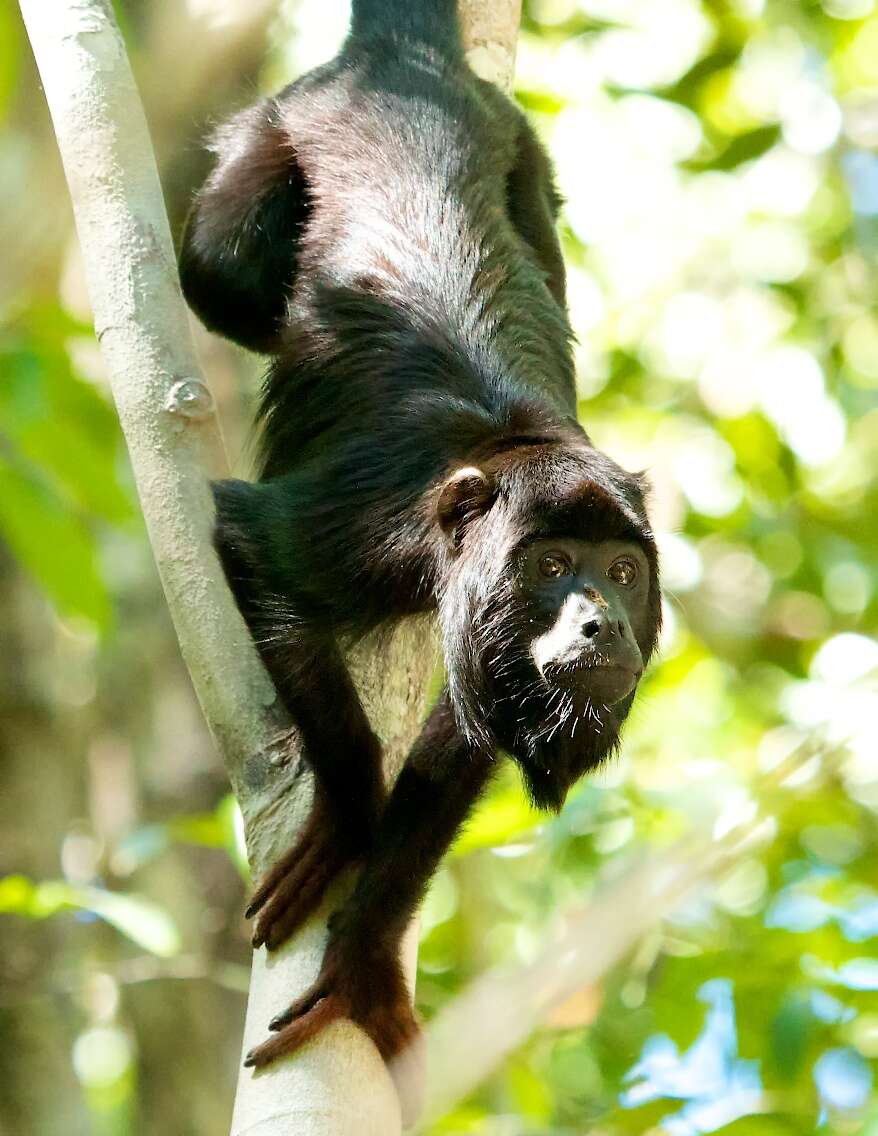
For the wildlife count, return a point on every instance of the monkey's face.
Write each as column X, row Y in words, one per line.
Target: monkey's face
column 572, row 627
column 556, row 608
column 587, row 607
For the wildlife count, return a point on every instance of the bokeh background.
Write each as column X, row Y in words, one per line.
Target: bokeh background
column 720, row 164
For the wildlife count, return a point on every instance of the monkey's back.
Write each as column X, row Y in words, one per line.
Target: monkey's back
column 409, row 250
column 405, row 160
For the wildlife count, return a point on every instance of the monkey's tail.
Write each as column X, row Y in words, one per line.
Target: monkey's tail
column 430, row 22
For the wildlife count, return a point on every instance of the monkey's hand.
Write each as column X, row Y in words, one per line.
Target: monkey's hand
column 363, row 982
column 295, row 886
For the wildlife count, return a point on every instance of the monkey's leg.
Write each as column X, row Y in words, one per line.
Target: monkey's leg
column 532, row 200
column 345, row 755
column 361, row 977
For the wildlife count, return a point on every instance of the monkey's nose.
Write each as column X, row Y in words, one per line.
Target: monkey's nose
column 599, row 629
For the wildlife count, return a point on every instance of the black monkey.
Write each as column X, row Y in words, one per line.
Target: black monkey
column 384, row 228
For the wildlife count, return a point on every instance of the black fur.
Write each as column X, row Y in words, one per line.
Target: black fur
column 385, row 229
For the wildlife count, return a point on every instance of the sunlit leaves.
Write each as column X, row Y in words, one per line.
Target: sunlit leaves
column 506, row 816
column 10, row 49
column 59, row 465
column 722, row 289
column 52, row 543
column 137, row 918
column 222, row 828
column 738, row 150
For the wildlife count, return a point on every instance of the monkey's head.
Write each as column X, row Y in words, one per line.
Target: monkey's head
column 552, row 608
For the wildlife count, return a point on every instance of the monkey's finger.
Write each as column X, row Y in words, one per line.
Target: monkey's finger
column 310, row 866
column 278, row 873
column 324, row 986
column 286, row 914
column 296, row 888
column 321, row 989
column 276, row 926
column 302, row 850
column 295, row 1035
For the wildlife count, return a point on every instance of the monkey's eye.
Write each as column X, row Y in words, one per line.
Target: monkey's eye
column 553, row 566
column 623, row 571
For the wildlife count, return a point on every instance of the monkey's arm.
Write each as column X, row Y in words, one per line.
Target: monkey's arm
column 345, row 755
column 312, row 681
column 361, row 977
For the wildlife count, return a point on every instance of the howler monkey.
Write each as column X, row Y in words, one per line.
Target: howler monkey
column 384, row 229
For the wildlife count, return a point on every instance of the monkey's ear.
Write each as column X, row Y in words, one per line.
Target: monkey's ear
column 467, row 494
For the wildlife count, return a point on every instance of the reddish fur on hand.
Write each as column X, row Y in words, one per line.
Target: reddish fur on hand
column 296, row 885
column 365, row 985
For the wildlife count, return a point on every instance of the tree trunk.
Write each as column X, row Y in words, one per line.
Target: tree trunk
column 338, row 1085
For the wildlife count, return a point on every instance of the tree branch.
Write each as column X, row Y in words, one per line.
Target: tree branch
column 165, row 407
column 490, row 33
column 338, row 1085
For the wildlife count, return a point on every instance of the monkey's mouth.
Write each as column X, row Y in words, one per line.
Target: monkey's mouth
column 601, row 679
column 586, row 663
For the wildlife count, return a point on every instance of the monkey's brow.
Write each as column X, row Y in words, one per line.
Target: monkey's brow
column 631, row 547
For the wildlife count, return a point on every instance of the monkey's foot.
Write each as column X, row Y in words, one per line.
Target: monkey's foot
column 294, row 887
column 370, row 991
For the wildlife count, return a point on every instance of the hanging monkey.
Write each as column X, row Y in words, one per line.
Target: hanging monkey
column 384, row 230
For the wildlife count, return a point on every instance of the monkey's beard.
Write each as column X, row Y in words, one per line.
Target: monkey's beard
column 555, row 732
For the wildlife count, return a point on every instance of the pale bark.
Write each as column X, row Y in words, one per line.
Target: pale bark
column 490, row 33
column 338, row 1085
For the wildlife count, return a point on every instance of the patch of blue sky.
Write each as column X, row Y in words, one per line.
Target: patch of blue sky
column 843, row 1079
column 716, row 1085
column 798, row 910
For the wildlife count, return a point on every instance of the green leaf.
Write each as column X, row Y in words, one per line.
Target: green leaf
column 65, row 426
column 791, row 1031
column 766, row 1124
column 11, row 49
column 222, row 828
column 687, row 89
column 142, row 921
column 205, row 829
column 744, row 148
column 539, row 102
column 228, row 814
column 138, row 919
column 529, row 1091
column 16, row 896
column 53, row 545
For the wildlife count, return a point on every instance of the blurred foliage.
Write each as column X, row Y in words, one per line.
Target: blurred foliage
column 142, row 922
column 719, row 159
